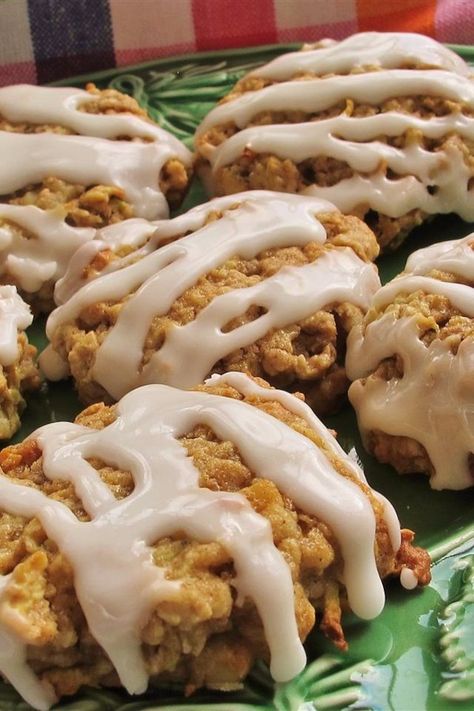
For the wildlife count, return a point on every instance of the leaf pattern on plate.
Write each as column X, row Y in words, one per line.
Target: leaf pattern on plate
column 324, row 684
column 89, row 700
column 457, row 638
column 178, row 100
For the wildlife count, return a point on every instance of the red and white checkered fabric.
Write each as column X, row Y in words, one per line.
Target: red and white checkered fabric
column 44, row 40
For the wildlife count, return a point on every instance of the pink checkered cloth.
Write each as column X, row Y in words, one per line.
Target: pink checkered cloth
column 46, row 40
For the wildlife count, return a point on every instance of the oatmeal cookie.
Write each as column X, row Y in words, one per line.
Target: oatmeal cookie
column 264, row 283
column 380, row 124
column 158, row 540
column 74, row 161
column 412, row 360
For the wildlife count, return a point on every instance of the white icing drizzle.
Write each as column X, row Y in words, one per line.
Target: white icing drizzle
column 435, row 182
column 247, row 386
column 388, row 50
column 433, row 402
column 145, row 237
column 289, row 296
column 15, row 316
column 460, row 295
column 453, row 256
column 90, row 158
column 112, row 556
column 262, row 221
column 133, row 233
column 133, row 166
column 408, row 579
column 317, row 95
column 60, row 107
column 36, row 260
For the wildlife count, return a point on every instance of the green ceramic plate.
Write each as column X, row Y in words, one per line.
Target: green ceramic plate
column 419, row 654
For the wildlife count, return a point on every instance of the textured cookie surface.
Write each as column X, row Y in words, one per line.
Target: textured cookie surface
column 412, row 359
column 380, row 124
column 159, row 538
column 74, row 161
column 264, row 283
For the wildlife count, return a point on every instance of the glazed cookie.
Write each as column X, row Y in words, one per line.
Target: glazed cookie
column 265, row 283
column 379, row 124
column 181, row 535
column 18, row 371
column 412, row 360
column 74, row 161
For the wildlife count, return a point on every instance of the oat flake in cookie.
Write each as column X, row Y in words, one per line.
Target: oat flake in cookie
column 74, row 161
column 380, row 124
column 265, row 283
column 182, row 535
column 412, row 360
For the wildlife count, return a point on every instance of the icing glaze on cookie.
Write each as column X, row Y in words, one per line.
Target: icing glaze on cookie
column 433, row 402
column 90, row 158
column 453, row 256
column 111, row 554
column 262, row 220
column 134, row 233
column 144, row 237
column 42, row 255
column 15, row 316
column 84, row 160
column 56, row 106
column 435, row 181
column 387, row 50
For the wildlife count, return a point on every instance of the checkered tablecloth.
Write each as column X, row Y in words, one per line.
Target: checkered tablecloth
column 44, row 40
